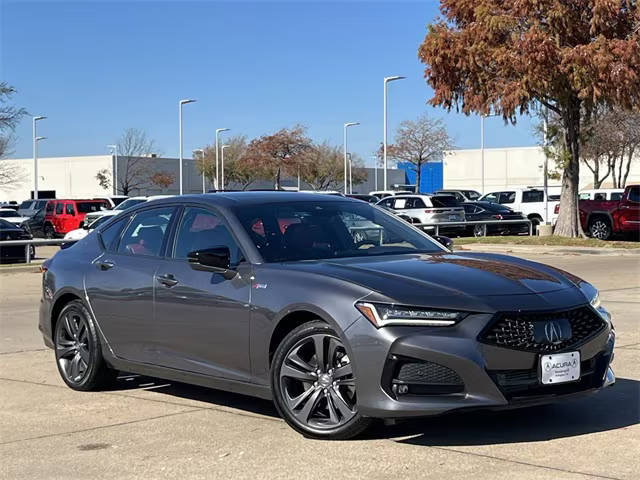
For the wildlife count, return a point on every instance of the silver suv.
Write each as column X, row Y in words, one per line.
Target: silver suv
column 428, row 209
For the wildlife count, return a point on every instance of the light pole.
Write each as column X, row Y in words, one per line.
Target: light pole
column 115, row 168
column 35, row 156
column 218, row 130
column 375, row 170
column 384, row 143
column 346, row 125
column 350, row 179
column 546, row 166
column 180, row 104
column 201, row 151
column 222, row 166
column 482, row 117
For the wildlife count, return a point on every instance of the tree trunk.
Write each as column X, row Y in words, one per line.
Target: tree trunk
column 596, row 173
column 568, row 224
column 276, row 184
column 626, row 173
column 418, row 175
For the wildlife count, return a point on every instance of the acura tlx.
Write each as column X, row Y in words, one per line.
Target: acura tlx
column 338, row 311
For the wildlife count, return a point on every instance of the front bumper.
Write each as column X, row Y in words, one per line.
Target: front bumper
column 493, row 377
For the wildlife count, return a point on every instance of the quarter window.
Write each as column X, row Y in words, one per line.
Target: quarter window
column 69, row 209
column 616, row 195
column 201, row 229
column 111, row 234
column 146, row 233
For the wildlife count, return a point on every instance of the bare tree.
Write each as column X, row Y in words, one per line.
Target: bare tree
column 420, row 141
column 10, row 174
column 134, row 148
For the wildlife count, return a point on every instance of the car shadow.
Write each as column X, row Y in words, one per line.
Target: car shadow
column 211, row 396
column 610, row 409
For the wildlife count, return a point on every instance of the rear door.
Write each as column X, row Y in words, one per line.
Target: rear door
column 121, row 286
column 202, row 318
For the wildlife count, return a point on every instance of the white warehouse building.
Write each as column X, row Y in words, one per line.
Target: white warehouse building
column 510, row 168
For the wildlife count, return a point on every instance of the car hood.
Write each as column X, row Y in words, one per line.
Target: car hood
column 16, row 220
column 413, row 278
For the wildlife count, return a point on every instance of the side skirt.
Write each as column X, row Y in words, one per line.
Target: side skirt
column 250, row 389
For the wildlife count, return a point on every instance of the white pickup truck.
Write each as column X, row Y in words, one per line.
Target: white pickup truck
column 529, row 201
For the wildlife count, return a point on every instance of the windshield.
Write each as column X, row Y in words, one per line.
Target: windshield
column 440, row 201
column 471, row 194
column 9, row 214
column 284, row 232
column 130, row 202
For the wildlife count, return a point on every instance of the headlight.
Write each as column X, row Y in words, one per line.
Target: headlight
column 595, row 301
column 381, row 315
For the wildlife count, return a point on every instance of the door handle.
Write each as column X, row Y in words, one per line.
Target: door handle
column 105, row 265
column 168, row 280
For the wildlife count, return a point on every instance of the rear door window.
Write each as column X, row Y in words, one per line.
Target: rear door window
column 110, row 235
column 532, row 196
column 634, row 194
column 59, row 208
column 49, row 208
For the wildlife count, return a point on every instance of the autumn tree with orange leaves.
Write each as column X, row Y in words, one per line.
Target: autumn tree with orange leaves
column 510, row 56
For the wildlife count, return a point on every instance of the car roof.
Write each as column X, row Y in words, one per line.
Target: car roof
column 233, row 199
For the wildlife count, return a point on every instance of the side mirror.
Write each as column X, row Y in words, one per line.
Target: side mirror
column 446, row 242
column 216, row 259
column 85, row 226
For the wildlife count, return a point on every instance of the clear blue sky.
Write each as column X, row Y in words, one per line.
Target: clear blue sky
column 96, row 68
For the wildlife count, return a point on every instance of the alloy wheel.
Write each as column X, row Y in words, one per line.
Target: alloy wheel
column 73, row 347
column 600, row 230
column 478, row 231
column 317, row 382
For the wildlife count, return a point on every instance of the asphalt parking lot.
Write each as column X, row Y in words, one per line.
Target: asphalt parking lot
column 148, row 428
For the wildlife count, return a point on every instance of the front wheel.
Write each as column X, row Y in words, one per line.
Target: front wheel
column 48, row 232
column 314, row 386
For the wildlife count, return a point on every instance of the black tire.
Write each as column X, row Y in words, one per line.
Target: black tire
column 600, row 228
column 325, row 424
column 48, row 232
column 77, row 349
column 478, row 231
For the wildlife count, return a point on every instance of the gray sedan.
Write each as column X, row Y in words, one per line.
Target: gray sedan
column 290, row 297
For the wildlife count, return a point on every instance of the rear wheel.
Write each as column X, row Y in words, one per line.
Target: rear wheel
column 478, row 230
column 600, row 228
column 314, row 385
column 77, row 348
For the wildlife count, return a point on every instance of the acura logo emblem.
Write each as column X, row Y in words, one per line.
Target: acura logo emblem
column 552, row 332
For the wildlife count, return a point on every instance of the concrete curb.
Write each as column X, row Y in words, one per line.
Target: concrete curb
column 546, row 249
column 34, row 266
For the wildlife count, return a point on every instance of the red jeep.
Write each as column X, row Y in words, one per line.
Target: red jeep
column 62, row 216
column 603, row 218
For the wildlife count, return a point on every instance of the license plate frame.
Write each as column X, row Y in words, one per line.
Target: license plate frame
column 559, row 368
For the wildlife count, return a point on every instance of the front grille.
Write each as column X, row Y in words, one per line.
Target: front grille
column 525, row 383
column 516, row 330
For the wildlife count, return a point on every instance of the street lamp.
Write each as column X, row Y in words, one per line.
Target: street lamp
column 35, row 156
column 375, row 170
column 350, row 179
column 346, row 125
column 218, row 130
column 180, row 104
column 201, row 151
column 115, row 168
column 222, row 166
column 482, row 117
column 384, row 144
